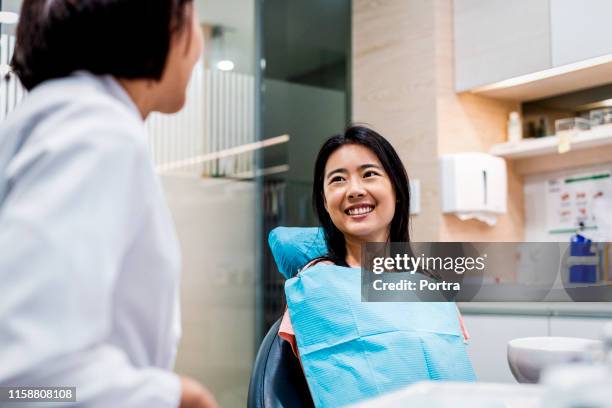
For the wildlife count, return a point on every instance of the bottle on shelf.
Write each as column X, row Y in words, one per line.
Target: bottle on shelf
column 514, row 128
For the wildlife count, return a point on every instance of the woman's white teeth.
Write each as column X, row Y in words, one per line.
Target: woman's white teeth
column 360, row 210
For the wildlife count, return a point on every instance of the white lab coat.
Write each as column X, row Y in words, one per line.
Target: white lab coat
column 89, row 260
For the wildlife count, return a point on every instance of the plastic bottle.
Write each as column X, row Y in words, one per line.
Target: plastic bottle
column 514, row 128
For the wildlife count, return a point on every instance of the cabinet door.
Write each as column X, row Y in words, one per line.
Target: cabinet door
column 588, row 328
column 488, row 345
column 580, row 30
column 500, row 39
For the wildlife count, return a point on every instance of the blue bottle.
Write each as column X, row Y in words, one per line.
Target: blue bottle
column 581, row 246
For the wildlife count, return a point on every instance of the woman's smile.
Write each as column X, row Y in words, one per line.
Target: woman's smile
column 359, row 211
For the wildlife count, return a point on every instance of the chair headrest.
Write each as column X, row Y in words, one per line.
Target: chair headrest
column 293, row 248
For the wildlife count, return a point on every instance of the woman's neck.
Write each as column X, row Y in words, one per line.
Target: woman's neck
column 354, row 247
column 140, row 91
column 353, row 251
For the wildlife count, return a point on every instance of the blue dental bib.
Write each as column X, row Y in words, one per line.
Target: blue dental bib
column 352, row 350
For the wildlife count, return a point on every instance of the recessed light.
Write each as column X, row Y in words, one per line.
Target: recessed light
column 225, row 65
column 8, row 17
column 5, row 69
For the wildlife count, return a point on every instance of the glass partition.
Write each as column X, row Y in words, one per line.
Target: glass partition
column 306, row 95
column 206, row 156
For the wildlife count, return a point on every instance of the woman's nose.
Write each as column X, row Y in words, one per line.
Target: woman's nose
column 356, row 190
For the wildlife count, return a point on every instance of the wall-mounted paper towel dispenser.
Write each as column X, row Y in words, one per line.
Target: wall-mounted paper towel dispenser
column 474, row 185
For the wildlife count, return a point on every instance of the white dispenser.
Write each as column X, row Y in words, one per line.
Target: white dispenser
column 474, row 185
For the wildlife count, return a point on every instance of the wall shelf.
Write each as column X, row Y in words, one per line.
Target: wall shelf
column 547, row 83
column 596, row 137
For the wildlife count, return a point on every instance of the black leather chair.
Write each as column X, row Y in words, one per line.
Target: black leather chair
column 277, row 380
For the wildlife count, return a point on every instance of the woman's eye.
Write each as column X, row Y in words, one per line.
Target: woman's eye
column 336, row 179
column 370, row 173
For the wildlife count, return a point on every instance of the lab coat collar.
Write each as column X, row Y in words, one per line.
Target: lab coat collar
column 115, row 89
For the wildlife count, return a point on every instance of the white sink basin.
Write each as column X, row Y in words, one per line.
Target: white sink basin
column 528, row 356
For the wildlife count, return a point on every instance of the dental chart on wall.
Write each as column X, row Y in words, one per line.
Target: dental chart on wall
column 572, row 202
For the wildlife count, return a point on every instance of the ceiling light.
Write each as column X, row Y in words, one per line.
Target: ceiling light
column 8, row 17
column 5, row 69
column 225, row 65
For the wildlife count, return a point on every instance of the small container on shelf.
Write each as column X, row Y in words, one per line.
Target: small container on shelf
column 566, row 129
column 599, row 117
column 596, row 117
column 571, row 124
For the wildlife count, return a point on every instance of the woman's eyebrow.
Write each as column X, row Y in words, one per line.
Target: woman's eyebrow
column 340, row 170
column 365, row 166
column 361, row 167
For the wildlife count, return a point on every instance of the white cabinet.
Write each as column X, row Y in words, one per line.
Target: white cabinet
column 490, row 335
column 580, row 30
column 499, row 39
column 496, row 40
column 588, row 328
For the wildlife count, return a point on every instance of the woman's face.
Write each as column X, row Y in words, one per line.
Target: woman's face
column 359, row 196
column 186, row 47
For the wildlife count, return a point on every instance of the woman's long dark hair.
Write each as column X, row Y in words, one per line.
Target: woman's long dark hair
column 361, row 135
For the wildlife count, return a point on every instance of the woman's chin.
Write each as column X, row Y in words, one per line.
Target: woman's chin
column 360, row 231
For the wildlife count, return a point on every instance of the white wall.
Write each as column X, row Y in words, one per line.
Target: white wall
column 11, row 5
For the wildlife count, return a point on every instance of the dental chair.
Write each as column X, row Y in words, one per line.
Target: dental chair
column 277, row 380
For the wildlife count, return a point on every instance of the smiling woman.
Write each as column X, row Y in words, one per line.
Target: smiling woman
column 360, row 193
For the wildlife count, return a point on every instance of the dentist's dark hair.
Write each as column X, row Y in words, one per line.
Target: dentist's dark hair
column 124, row 38
column 364, row 136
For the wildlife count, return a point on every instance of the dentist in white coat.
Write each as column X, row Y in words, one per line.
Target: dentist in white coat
column 89, row 260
